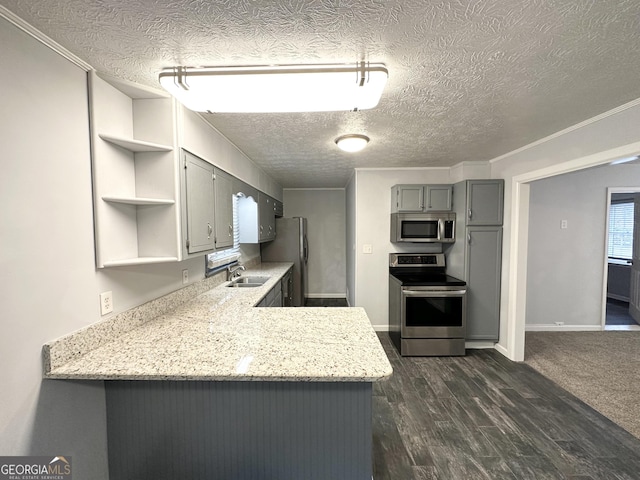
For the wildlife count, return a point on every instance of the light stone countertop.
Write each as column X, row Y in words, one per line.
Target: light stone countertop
column 220, row 336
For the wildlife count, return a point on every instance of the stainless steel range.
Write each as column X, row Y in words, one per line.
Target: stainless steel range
column 427, row 307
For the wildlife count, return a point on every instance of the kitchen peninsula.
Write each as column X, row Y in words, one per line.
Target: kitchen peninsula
column 212, row 387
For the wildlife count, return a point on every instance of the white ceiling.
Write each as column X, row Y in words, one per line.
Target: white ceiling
column 468, row 80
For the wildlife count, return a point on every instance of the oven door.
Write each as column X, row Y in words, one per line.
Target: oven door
column 433, row 312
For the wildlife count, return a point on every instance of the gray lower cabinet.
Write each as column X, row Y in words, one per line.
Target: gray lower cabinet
column 199, row 204
column 483, row 261
column 239, row 430
column 287, row 288
column 275, row 296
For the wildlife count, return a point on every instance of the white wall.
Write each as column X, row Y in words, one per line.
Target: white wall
column 373, row 210
column 203, row 140
column 326, row 221
column 594, row 142
column 49, row 285
column 566, row 266
column 351, row 221
column 47, row 266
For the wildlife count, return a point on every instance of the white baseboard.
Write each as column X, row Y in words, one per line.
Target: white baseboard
column 326, row 295
column 381, row 328
column 551, row 327
column 502, row 350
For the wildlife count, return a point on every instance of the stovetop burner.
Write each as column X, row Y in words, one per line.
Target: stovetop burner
column 428, row 279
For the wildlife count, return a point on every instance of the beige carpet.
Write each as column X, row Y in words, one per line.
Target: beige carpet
column 600, row 368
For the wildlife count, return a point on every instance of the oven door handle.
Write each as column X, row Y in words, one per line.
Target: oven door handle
column 433, row 293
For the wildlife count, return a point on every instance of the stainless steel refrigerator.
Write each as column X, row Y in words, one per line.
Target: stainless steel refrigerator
column 290, row 245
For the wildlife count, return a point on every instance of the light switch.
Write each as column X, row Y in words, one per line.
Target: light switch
column 367, row 248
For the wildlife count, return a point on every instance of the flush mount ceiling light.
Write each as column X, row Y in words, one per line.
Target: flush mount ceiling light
column 277, row 88
column 352, row 143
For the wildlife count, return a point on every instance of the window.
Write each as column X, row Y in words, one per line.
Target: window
column 621, row 230
column 219, row 260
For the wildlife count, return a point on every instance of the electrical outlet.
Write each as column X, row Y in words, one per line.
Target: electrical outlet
column 559, row 324
column 185, row 276
column 564, row 224
column 106, row 303
column 367, row 248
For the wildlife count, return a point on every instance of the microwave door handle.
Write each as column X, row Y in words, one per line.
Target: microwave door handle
column 440, row 229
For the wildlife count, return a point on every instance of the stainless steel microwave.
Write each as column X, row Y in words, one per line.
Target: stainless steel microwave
column 423, row 227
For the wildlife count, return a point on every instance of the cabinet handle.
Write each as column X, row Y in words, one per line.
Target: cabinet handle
column 231, row 230
column 469, row 214
column 469, row 238
column 209, row 230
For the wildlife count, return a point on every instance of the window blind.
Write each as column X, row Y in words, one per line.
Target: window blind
column 621, row 230
column 223, row 258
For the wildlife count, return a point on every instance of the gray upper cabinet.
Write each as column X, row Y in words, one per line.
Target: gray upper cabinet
column 438, row 197
column 200, row 215
column 267, row 218
column 421, row 198
column 485, row 200
column 257, row 218
column 407, row 198
column 223, row 188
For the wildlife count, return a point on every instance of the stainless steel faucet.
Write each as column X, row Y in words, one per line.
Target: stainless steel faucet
column 233, row 271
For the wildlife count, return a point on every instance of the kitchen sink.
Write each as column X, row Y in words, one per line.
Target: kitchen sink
column 248, row 282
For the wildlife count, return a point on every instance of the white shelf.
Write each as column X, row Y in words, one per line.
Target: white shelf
column 134, row 181
column 139, row 261
column 137, row 200
column 135, row 145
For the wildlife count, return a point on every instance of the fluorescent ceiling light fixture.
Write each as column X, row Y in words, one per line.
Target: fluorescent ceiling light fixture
column 625, row 160
column 352, row 143
column 277, row 88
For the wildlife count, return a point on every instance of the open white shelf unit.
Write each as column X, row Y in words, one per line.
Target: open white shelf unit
column 135, row 173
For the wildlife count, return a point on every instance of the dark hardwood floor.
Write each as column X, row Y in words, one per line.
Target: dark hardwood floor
column 484, row 417
column 326, row 302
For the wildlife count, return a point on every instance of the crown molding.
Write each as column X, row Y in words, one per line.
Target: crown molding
column 577, row 126
column 42, row 38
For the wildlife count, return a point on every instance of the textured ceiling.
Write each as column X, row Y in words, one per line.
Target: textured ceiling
column 468, row 80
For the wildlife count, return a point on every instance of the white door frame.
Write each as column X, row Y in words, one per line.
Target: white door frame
column 517, row 270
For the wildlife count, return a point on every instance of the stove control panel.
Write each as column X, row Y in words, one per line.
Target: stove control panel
column 416, row 260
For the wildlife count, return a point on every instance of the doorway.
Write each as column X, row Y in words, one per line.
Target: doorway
column 516, row 261
column 622, row 234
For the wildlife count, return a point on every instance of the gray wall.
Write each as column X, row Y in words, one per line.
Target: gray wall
column 326, row 223
column 565, row 266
